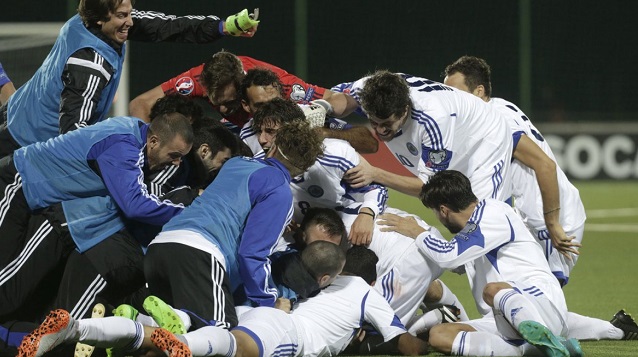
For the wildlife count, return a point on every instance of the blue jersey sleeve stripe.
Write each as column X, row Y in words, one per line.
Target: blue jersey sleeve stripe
column 432, row 129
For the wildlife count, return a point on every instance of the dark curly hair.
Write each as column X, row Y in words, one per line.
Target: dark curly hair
column 277, row 111
column 260, row 77
column 300, row 144
column 385, row 94
column 177, row 104
column 450, row 188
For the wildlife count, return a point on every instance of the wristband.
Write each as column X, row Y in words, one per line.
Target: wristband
column 368, row 213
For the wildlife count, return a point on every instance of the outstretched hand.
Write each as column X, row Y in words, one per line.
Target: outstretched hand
column 407, row 226
column 360, row 175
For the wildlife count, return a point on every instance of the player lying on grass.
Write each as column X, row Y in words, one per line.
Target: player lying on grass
column 322, row 325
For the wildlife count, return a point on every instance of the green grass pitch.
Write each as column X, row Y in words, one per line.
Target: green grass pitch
column 604, row 279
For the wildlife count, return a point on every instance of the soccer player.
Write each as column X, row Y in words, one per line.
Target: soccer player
column 219, row 80
column 81, row 183
column 405, row 275
column 319, row 326
column 76, row 83
column 512, row 284
column 231, row 230
column 431, row 127
column 322, row 185
column 472, row 74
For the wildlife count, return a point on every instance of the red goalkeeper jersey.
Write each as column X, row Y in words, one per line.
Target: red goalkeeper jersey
column 188, row 83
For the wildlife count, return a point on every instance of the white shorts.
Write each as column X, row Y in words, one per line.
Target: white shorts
column 561, row 267
column 554, row 315
column 273, row 331
column 405, row 285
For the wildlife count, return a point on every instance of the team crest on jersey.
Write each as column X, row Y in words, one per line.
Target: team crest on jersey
column 437, row 159
column 315, row 191
column 466, row 231
column 297, row 93
column 412, row 149
column 185, row 85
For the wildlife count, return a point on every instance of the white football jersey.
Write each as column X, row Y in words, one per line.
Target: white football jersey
column 452, row 129
column 527, row 195
column 250, row 137
column 323, row 185
column 403, row 273
column 328, row 321
column 495, row 246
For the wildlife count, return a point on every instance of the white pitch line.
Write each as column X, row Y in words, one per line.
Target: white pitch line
column 626, row 228
column 613, row 212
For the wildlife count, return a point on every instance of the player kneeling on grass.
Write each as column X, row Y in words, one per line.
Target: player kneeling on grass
column 512, row 283
column 322, row 325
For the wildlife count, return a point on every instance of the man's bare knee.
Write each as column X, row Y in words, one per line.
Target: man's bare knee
column 491, row 289
column 442, row 336
column 434, row 293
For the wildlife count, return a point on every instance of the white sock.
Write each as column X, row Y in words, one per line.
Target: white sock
column 588, row 328
column 113, row 331
column 448, row 298
column 148, row 320
column 477, row 343
column 424, row 322
column 211, row 341
column 515, row 307
column 186, row 319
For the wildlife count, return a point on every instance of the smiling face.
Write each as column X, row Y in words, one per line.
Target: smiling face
column 213, row 163
column 119, row 22
column 258, row 95
column 226, row 100
column 387, row 129
column 161, row 154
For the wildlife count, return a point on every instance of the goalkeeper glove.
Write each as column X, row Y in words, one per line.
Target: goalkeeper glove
column 325, row 105
column 241, row 22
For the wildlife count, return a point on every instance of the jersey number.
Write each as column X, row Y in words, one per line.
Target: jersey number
column 404, row 160
column 304, row 206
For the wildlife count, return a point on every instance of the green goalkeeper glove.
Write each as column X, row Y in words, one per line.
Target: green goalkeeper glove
column 242, row 22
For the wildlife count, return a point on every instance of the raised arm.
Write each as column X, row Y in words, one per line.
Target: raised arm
column 151, row 26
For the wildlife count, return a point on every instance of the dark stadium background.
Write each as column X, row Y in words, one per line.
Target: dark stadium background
column 581, row 64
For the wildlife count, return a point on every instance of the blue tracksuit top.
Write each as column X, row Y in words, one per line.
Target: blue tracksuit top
column 243, row 212
column 33, row 111
column 60, row 170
